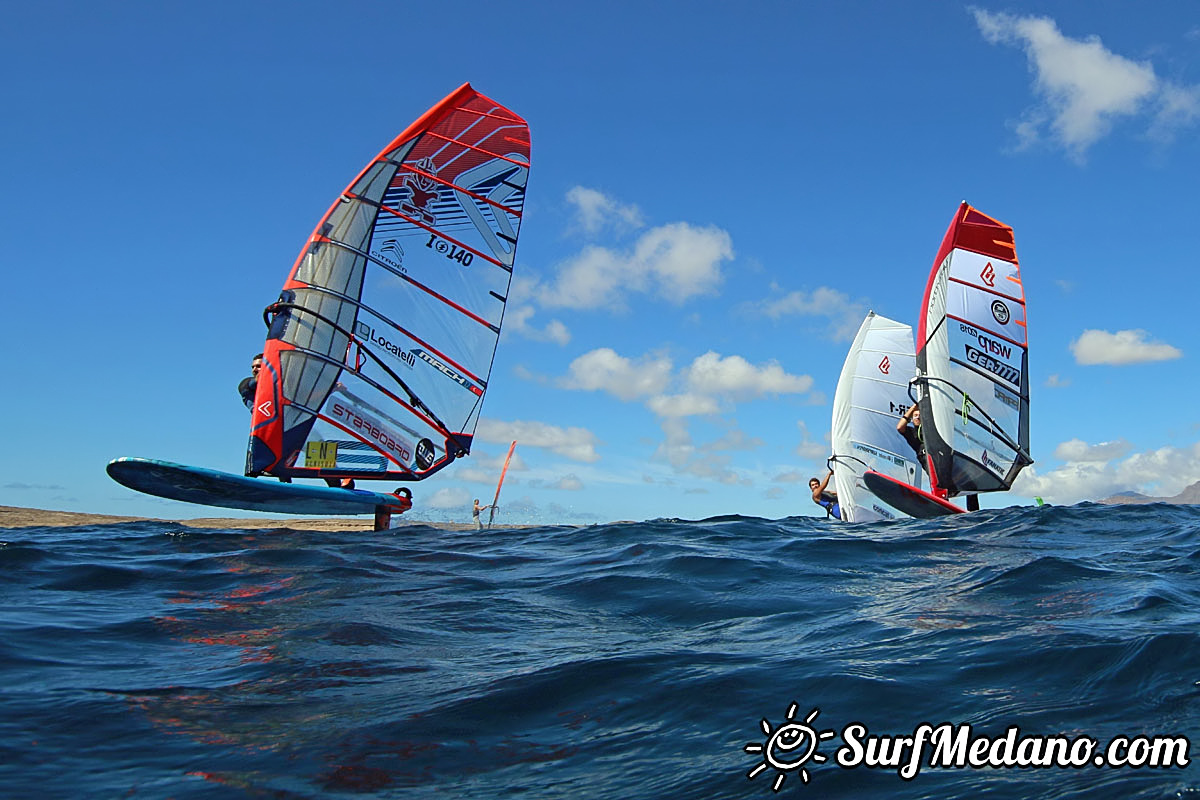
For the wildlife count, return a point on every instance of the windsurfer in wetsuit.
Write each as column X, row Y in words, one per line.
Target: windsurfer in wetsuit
column 475, row 513
column 249, row 386
column 916, row 441
column 247, row 389
column 826, row 500
column 913, row 435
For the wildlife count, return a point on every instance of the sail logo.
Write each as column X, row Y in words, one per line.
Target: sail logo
column 997, row 368
column 390, row 252
column 370, row 430
column 988, row 275
column 422, row 189
column 994, row 347
column 425, row 454
column 366, row 332
column 1000, row 312
column 885, row 365
column 1006, row 398
column 449, row 373
column 992, row 465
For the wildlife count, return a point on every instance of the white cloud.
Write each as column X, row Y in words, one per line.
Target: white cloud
column 682, row 405
column 480, row 468
column 791, row 476
column 1179, row 107
column 845, row 315
column 709, row 377
column 474, row 474
column 577, row 444
column 569, row 483
column 737, row 378
column 808, row 447
column 681, row 452
column 594, row 210
column 714, row 383
column 1122, row 347
column 734, row 439
column 516, row 321
column 604, row 370
column 1163, row 472
column 591, row 279
column 451, row 497
column 1084, row 87
column 686, row 261
column 1079, row 451
column 1058, row 381
column 675, row 262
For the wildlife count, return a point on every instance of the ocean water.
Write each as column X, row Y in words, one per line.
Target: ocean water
column 659, row 659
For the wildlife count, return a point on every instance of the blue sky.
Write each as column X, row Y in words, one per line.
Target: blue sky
column 717, row 197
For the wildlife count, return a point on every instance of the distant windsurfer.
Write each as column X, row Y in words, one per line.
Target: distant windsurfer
column 475, row 513
column 825, row 499
column 249, row 386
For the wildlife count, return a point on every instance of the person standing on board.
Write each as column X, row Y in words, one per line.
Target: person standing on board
column 826, row 500
column 249, row 386
column 247, row 389
column 475, row 513
column 916, row 441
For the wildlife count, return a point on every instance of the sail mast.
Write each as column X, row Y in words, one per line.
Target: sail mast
column 503, row 472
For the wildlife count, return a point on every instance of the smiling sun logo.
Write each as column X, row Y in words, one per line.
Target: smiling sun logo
column 789, row 747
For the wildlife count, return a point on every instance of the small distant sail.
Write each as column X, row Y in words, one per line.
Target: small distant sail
column 973, row 361
column 499, row 483
column 872, row 395
column 380, row 347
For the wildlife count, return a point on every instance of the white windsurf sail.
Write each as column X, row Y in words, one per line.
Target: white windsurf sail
column 972, row 360
column 871, row 396
column 381, row 344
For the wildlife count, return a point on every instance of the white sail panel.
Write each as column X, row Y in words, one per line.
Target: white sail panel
column 871, row 396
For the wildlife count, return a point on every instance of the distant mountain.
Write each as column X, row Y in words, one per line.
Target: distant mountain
column 1189, row 496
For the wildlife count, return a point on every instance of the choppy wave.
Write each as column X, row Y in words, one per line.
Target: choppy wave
column 612, row 661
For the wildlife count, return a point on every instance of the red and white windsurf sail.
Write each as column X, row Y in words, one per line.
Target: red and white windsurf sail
column 973, row 360
column 380, row 347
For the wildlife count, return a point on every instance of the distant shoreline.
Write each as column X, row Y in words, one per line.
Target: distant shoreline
column 18, row 517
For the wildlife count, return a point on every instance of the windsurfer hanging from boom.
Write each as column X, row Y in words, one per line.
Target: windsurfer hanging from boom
column 917, row 442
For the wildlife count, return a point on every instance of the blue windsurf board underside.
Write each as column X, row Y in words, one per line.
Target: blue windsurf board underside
column 212, row 488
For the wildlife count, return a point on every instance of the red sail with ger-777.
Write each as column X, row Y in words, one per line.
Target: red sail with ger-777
column 973, row 360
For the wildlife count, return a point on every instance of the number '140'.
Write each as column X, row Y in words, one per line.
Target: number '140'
column 450, row 251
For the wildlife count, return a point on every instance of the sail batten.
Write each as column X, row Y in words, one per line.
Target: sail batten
column 404, row 258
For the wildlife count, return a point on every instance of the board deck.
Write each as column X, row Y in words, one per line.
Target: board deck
column 212, row 488
column 909, row 499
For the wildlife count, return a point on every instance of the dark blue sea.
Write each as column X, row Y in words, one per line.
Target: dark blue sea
column 660, row 659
